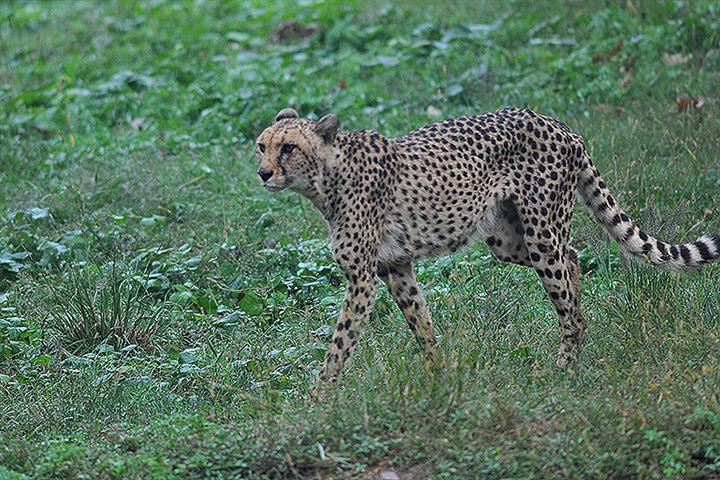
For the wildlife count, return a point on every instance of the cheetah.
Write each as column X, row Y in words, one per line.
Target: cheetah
column 508, row 177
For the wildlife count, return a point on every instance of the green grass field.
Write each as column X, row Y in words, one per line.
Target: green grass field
column 162, row 316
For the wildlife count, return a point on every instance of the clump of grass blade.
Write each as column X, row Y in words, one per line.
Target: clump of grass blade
column 96, row 306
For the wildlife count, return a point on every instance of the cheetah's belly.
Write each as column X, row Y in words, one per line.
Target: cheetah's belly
column 404, row 240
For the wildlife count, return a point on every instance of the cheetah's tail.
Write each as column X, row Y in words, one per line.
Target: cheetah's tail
column 631, row 238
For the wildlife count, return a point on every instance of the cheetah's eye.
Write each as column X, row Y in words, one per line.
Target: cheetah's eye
column 287, row 148
column 261, row 147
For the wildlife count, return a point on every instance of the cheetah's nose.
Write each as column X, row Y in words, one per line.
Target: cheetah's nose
column 264, row 174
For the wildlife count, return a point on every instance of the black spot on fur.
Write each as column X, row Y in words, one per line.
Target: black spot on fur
column 629, row 233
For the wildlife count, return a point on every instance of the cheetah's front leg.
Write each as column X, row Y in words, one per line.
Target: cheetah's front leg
column 359, row 300
column 401, row 282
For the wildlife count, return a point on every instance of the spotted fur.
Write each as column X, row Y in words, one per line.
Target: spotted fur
column 508, row 177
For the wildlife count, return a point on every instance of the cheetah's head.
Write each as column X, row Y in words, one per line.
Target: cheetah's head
column 292, row 151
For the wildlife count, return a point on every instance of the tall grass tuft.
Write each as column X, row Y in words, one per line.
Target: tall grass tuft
column 97, row 306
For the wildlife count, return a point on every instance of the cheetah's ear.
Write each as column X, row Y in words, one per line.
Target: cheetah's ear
column 327, row 127
column 286, row 113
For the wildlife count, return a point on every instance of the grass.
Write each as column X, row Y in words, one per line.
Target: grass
column 162, row 317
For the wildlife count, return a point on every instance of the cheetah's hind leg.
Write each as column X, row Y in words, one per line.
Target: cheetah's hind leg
column 559, row 270
column 506, row 239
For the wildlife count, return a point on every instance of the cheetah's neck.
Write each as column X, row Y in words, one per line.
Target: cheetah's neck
column 351, row 157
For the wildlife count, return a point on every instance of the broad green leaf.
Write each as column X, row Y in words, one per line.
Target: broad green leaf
column 37, row 213
column 454, row 90
column 44, row 359
column 252, row 303
column 51, row 119
column 189, row 355
column 238, row 37
column 153, row 220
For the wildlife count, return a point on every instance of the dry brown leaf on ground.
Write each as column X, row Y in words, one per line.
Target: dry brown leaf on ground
column 686, row 102
column 625, row 80
column 605, row 108
column 604, row 57
column 294, row 30
column 433, row 111
column 137, row 123
column 388, row 475
column 672, row 59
